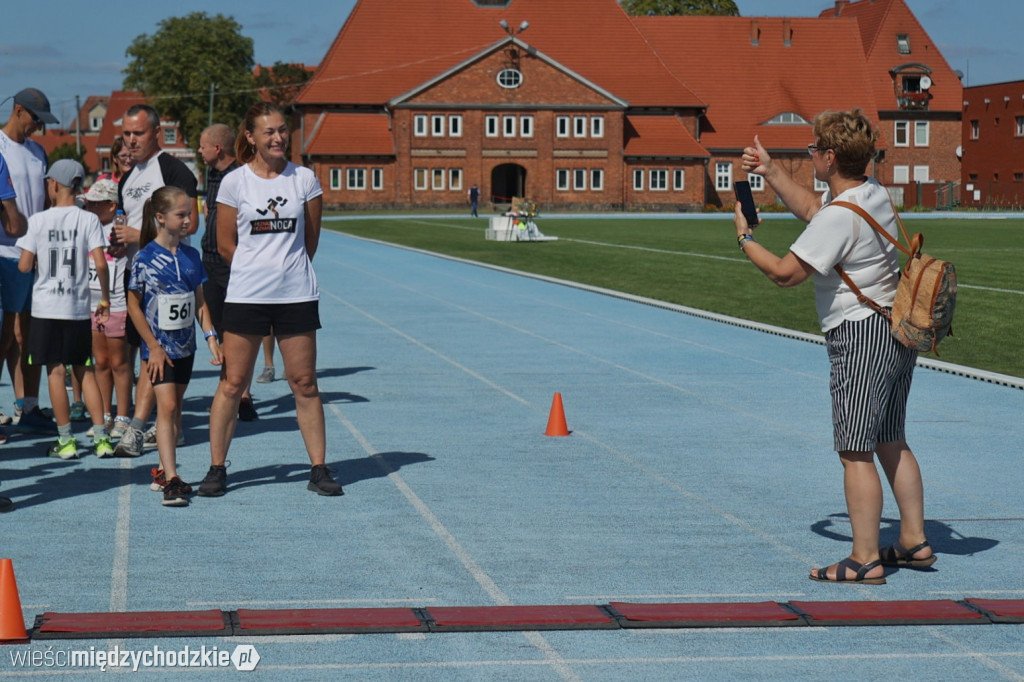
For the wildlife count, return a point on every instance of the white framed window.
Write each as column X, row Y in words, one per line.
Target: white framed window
column 597, row 126
column 508, row 126
column 562, row 179
column 579, row 179
column 455, row 178
column 921, row 133
column 579, row 126
column 922, row 174
column 355, row 178
column 437, row 179
column 526, row 126
column 900, row 175
column 437, row 126
column 975, row 129
column 419, row 125
column 659, row 180
column 901, row 134
column 820, row 186
column 678, row 179
column 455, row 125
column 562, row 126
column 419, row 178
column 491, row 126
column 510, row 78
column 597, row 179
column 638, row 179
column 756, row 182
column 335, row 178
column 1020, row 126
column 170, row 136
column 377, row 178
column 723, row 176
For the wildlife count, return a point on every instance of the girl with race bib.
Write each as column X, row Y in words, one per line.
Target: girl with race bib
column 164, row 299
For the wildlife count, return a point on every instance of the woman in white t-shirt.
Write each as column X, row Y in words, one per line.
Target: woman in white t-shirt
column 268, row 228
column 870, row 371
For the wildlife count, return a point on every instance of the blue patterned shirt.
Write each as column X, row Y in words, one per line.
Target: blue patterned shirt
column 166, row 279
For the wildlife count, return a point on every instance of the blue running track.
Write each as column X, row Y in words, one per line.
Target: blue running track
column 699, row 470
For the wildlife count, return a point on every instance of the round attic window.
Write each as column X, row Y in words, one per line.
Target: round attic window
column 510, row 78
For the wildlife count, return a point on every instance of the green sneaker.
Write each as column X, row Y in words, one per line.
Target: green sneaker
column 103, row 447
column 66, row 449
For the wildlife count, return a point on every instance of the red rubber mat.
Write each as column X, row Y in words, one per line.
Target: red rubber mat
column 759, row 614
column 52, row 625
column 932, row 612
column 493, row 618
column 1000, row 610
column 321, row 621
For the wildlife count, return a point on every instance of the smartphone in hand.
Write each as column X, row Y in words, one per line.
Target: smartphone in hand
column 746, row 199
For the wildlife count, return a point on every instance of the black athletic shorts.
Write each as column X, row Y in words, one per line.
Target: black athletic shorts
column 60, row 342
column 259, row 318
column 180, row 374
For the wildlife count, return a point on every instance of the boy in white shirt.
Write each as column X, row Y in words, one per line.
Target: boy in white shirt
column 58, row 244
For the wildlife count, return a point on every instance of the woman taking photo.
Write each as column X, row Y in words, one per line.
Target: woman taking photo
column 870, row 371
column 268, row 228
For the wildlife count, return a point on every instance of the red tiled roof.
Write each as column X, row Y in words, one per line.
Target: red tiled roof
column 660, row 135
column 822, row 68
column 119, row 102
column 880, row 22
column 389, row 47
column 352, row 134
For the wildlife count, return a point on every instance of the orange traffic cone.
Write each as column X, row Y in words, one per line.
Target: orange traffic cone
column 556, row 420
column 12, row 623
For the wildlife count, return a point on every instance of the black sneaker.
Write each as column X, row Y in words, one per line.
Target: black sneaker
column 6, row 505
column 321, row 483
column 247, row 411
column 176, row 493
column 216, row 482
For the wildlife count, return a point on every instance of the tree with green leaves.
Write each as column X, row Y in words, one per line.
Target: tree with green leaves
column 68, row 150
column 281, row 82
column 725, row 8
column 195, row 69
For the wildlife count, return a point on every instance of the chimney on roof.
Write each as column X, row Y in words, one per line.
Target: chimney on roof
column 755, row 32
column 840, row 6
column 787, row 32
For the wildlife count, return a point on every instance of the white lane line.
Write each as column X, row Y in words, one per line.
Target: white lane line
column 551, row 656
column 122, row 537
column 1013, row 656
column 311, row 603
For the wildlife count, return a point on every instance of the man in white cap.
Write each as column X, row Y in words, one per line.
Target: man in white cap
column 27, row 164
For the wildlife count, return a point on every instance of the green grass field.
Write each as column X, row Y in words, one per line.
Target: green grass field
column 695, row 263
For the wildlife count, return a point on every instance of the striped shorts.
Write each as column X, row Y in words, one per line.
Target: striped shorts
column 869, row 381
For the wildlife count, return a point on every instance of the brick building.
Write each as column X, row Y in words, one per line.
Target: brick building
column 993, row 145
column 574, row 104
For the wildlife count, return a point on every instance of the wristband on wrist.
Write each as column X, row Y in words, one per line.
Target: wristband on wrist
column 103, row 304
column 207, row 335
column 743, row 239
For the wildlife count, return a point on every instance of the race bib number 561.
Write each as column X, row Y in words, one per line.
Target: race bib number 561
column 176, row 311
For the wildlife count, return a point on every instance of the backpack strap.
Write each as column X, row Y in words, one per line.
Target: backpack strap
column 915, row 247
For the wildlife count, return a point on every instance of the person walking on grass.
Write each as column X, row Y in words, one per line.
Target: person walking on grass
column 165, row 297
column 871, row 371
column 268, row 229
column 58, row 245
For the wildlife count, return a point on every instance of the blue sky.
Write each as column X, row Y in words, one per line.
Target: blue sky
column 66, row 48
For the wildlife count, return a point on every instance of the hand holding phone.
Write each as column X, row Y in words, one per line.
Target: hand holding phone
column 746, row 199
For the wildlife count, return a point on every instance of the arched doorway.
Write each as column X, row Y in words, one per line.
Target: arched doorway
column 507, row 180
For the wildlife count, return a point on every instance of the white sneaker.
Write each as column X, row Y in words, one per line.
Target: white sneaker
column 119, row 426
column 149, row 438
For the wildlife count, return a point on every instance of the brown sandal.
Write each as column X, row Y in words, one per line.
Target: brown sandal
column 897, row 556
column 847, row 566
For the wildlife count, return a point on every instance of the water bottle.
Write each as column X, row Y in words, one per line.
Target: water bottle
column 119, row 219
